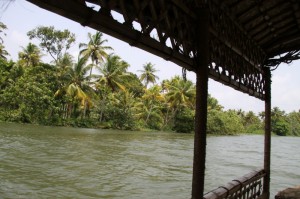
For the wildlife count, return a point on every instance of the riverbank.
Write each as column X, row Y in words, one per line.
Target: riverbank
column 103, row 127
column 89, row 124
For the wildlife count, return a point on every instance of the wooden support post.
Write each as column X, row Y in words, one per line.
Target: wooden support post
column 267, row 149
column 201, row 65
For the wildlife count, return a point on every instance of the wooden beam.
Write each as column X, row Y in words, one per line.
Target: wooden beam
column 87, row 16
column 202, row 61
column 267, row 146
column 278, row 46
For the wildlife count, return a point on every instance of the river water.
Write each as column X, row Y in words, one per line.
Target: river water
column 59, row 162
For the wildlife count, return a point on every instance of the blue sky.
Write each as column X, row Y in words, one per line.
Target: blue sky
column 21, row 17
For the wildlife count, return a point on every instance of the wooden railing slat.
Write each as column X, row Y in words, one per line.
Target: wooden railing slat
column 248, row 186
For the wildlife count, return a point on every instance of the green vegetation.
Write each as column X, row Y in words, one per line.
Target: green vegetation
column 96, row 90
column 3, row 52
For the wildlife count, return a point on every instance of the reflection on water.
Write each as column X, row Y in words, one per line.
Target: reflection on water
column 59, row 162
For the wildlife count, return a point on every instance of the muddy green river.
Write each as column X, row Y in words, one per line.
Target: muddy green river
column 60, row 162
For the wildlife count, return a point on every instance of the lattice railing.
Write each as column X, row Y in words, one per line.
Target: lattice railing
column 236, row 59
column 246, row 187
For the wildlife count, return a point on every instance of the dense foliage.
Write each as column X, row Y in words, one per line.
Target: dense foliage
column 96, row 90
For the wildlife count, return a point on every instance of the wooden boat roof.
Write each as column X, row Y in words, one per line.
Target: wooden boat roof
column 273, row 24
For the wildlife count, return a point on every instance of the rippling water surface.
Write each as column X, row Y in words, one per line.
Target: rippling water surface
column 58, row 162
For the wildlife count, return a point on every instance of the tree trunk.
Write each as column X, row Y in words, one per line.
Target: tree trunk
column 148, row 115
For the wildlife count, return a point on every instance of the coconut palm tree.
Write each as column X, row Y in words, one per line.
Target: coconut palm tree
column 276, row 115
column 120, row 110
column 65, row 61
column 148, row 75
column 180, row 93
column 78, row 72
column 95, row 49
column 151, row 101
column 2, row 28
column 3, row 52
column 213, row 104
column 30, row 56
column 64, row 64
column 77, row 87
column 113, row 73
column 250, row 118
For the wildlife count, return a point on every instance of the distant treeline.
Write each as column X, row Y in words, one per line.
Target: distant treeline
column 96, row 90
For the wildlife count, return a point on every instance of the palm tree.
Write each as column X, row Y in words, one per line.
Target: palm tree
column 95, row 48
column 276, row 115
column 120, row 110
column 65, row 61
column 148, row 75
column 77, row 87
column 250, row 118
column 262, row 115
column 64, row 64
column 113, row 73
column 180, row 93
column 78, row 72
column 3, row 52
column 151, row 100
column 31, row 55
column 2, row 28
column 213, row 104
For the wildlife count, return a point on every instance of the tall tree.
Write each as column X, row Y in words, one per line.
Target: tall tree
column 149, row 106
column 3, row 52
column 77, row 88
column 212, row 103
column 65, row 61
column 30, row 97
column 148, row 74
column 224, row 122
column 250, row 118
column 54, row 42
column 2, row 28
column 78, row 72
column 95, row 48
column 251, row 122
column 63, row 68
column 8, row 74
column 179, row 93
column 30, row 56
column 119, row 110
column 279, row 123
column 113, row 73
column 293, row 119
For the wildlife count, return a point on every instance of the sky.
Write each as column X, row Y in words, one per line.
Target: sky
column 21, row 16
